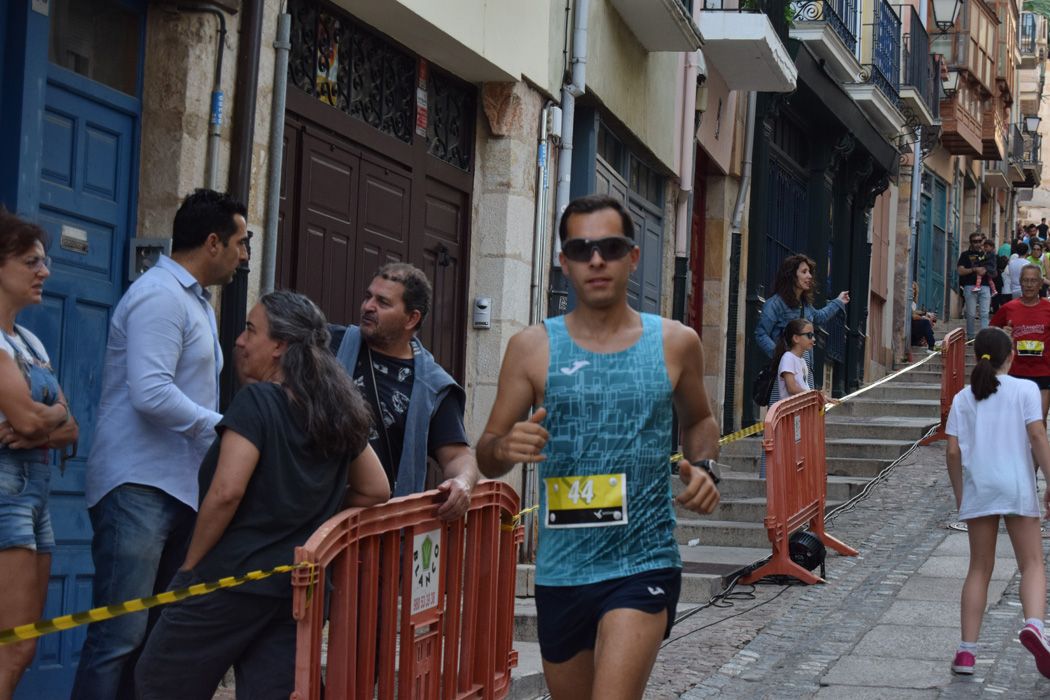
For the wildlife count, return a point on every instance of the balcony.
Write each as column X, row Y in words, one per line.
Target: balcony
column 1027, row 43
column 1016, row 157
column 960, row 121
column 917, row 97
column 993, row 131
column 741, row 42
column 1032, row 159
column 661, row 25
column 879, row 96
column 829, row 28
column 997, row 174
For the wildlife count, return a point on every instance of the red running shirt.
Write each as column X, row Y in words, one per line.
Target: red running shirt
column 1031, row 333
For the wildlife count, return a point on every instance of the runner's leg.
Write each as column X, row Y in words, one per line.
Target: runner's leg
column 628, row 641
column 982, row 533
column 570, row 679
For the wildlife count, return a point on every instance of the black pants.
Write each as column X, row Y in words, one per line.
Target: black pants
column 922, row 328
column 198, row 639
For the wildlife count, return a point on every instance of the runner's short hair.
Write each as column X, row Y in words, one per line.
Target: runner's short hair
column 590, row 204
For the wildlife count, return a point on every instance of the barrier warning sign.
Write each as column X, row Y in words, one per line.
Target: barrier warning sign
column 426, row 558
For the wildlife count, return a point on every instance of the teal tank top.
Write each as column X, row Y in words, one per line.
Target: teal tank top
column 605, row 493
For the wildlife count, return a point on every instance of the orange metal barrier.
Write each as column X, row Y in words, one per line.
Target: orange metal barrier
column 953, row 358
column 456, row 601
column 796, row 482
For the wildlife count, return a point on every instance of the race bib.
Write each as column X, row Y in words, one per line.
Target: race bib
column 1030, row 348
column 599, row 500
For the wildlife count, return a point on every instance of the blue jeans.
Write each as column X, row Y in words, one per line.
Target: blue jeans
column 141, row 535
column 977, row 303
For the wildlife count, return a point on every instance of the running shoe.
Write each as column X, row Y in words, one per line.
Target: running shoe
column 963, row 663
column 1034, row 641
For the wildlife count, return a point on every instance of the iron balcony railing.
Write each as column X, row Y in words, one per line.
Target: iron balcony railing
column 1032, row 147
column 886, row 51
column 936, row 87
column 1026, row 39
column 915, row 50
column 1016, row 144
column 841, row 16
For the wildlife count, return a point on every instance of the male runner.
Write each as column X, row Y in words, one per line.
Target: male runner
column 602, row 381
column 1027, row 320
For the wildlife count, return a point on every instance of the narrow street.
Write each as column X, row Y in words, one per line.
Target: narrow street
column 885, row 625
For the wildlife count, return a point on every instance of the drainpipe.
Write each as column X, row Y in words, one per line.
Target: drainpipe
column 539, row 235
column 576, row 87
column 913, row 236
column 283, row 45
column 234, row 305
column 684, row 217
column 215, row 119
column 745, row 171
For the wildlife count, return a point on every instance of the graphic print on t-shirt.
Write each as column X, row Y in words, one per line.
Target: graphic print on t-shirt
column 393, row 378
column 1031, row 333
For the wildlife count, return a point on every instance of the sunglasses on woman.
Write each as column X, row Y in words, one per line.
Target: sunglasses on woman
column 610, row 248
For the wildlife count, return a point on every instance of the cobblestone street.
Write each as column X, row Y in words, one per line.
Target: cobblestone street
column 885, row 625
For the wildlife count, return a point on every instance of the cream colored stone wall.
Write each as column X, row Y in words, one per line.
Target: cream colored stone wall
column 178, row 82
column 479, row 40
column 639, row 88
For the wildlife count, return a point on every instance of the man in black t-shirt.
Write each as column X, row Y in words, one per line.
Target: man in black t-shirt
column 977, row 269
column 1042, row 228
column 417, row 407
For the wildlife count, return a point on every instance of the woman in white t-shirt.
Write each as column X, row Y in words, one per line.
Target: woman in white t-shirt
column 994, row 427
column 34, row 417
column 792, row 371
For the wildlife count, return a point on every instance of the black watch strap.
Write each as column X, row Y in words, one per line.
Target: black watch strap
column 711, row 467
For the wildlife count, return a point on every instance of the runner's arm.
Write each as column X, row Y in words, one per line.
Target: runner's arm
column 699, row 431
column 508, row 439
column 953, row 455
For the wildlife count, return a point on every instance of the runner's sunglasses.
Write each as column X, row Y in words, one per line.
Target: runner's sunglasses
column 610, row 248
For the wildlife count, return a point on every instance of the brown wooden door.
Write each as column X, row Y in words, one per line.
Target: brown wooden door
column 354, row 210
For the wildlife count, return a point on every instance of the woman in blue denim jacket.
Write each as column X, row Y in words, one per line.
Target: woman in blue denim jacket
column 793, row 298
column 34, row 417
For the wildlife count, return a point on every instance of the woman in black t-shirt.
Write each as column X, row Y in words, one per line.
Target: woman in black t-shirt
column 292, row 450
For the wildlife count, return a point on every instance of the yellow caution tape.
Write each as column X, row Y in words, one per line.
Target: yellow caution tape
column 65, row 622
column 740, row 434
column 510, row 524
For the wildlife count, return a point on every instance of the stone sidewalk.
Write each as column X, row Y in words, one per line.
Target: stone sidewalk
column 884, row 626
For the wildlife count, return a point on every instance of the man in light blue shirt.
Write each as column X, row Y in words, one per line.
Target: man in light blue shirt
column 156, row 419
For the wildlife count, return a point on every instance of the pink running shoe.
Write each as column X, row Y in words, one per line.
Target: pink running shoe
column 1036, row 643
column 963, row 663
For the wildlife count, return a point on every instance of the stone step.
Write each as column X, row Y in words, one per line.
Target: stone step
column 881, row 427
column 723, row 533
column 921, row 375
column 749, row 485
column 737, row 453
column 738, row 510
column 905, row 408
column 853, row 467
column 894, row 391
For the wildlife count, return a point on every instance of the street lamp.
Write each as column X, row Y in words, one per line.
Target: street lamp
column 945, row 13
column 951, row 84
column 1032, row 123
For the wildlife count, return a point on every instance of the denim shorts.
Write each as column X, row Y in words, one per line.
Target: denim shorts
column 24, row 517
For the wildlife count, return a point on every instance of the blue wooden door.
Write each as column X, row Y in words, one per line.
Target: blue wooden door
column 86, row 181
column 938, row 248
column 923, row 273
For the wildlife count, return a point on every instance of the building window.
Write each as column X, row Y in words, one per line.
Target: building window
column 367, row 76
column 98, row 39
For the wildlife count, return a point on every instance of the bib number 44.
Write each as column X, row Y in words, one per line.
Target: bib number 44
column 598, row 500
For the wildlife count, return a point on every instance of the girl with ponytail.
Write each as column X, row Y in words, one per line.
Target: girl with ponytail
column 292, row 451
column 994, row 428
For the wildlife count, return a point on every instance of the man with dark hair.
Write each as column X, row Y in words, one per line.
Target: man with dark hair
column 156, row 420
column 589, row 205
column 417, row 407
column 602, row 381
column 1042, row 228
column 976, row 269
